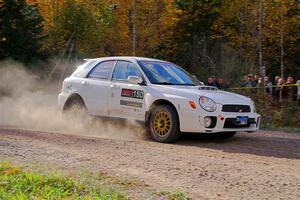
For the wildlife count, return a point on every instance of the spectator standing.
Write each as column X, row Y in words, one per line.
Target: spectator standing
column 215, row 79
column 249, row 81
column 283, row 90
column 212, row 81
column 259, row 82
column 276, row 90
column 276, row 79
column 268, row 85
column 291, row 90
column 221, row 84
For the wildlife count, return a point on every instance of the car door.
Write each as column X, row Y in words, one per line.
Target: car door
column 95, row 88
column 126, row 100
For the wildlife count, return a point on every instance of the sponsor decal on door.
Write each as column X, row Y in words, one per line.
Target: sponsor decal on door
column 131, row 104
column 136, row 94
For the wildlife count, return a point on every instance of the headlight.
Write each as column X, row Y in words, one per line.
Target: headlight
column 207, row 104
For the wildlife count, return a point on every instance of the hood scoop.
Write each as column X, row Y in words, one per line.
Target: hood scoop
column 208, row 88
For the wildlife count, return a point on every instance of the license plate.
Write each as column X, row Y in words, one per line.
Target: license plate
column 242, row 120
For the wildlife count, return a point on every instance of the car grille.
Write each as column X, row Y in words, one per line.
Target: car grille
column 231, row 123
column 236, row 108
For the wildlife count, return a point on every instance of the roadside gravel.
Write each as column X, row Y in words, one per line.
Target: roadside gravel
column 263, row 165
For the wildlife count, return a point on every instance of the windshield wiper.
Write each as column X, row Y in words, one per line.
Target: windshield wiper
column 188, row 84
column 167, row 83
column 164, row 83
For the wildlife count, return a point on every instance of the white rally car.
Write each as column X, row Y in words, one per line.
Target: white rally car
column 162, row 95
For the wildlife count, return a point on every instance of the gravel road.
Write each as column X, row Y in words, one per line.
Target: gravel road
column 263, row 165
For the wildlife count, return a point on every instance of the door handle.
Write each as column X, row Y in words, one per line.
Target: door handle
column 113, row 85
column 84, row 83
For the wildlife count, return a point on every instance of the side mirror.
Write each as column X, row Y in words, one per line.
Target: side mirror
column 135, row 79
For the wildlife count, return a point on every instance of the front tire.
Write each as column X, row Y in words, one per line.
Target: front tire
column 164, row 124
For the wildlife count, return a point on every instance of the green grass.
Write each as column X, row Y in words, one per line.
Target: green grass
column 18, row 184
column 178, row 196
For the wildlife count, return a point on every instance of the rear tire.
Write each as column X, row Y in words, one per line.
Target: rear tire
column 164, row 124
column 76, row 108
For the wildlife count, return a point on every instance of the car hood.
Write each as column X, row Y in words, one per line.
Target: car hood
column 218, row 96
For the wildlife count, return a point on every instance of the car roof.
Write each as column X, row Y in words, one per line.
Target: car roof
column 129, row 58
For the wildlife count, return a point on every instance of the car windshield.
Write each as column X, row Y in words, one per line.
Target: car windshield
column 165, row 73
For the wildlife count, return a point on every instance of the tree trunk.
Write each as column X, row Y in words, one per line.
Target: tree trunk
column 260, row 53
column 281, row 46
column 133, row 28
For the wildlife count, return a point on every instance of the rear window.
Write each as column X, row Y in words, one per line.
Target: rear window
column 81, row 70
column 102, row 71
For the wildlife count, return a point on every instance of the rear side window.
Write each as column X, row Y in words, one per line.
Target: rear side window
column 124, row 69
column 83, row 69
column 102, row 71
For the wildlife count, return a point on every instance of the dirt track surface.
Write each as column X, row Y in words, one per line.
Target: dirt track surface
column 263, row 165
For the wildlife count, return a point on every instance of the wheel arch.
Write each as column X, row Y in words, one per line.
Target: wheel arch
column 71, row 98
column 159, row 102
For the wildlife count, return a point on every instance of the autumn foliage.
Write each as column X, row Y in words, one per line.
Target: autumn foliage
column 207, row 37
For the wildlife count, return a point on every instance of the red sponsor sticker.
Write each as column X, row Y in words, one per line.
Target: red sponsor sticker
column 126, row 93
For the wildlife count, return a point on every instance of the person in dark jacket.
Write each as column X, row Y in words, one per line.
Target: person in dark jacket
column 283, row 92
column 291, row 90
column 249, row 81
column 222, row 85
column 212, row 81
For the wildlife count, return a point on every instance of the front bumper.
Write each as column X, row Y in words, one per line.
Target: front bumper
column 225, row 122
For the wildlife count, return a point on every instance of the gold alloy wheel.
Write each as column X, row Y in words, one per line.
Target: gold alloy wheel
column 162, row 123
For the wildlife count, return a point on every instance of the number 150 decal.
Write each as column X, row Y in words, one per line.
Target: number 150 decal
column 137, row 94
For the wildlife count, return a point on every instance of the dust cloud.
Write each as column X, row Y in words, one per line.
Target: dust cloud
column 27, row 101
